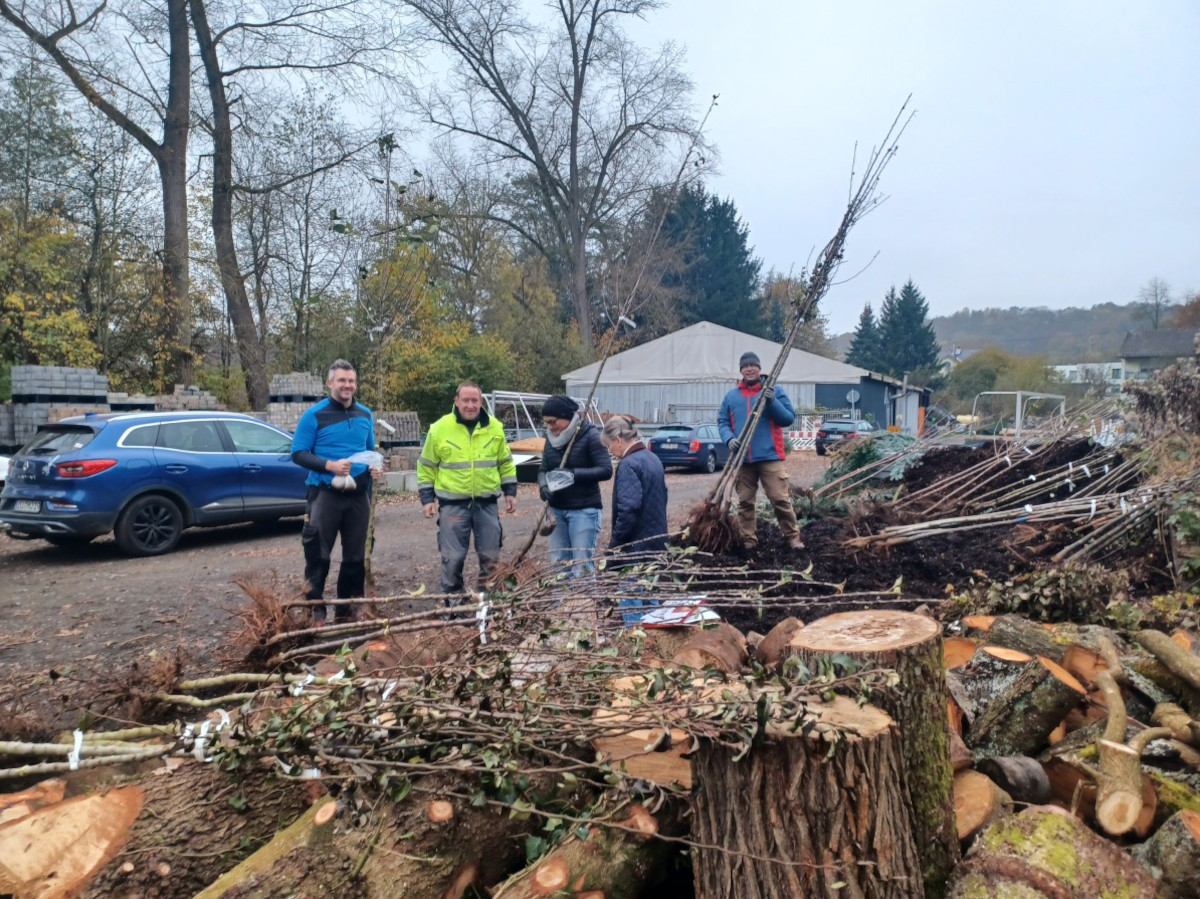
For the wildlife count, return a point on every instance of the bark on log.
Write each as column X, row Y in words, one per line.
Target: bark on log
column 1022, row 778
column 978, row 801
column 1053, row 641
column 612, row 861
column 1019, row 719
column 800, row 816
column 722, row 647
column 911, row 645
column 1174, row 854
column 1043, row 852
column 1180, row 661
column 774, row 646
column 1158, row 674
column 1073, row 786
column 990, row 670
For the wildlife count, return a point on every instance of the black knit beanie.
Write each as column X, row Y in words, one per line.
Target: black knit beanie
column 559, row 406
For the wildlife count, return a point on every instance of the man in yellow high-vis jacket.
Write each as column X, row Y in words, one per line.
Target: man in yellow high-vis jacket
column 464, row 469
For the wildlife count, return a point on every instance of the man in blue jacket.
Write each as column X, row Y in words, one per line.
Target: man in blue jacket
column 339, row 491
column 765, row 453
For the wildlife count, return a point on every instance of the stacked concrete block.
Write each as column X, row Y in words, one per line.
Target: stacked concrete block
column 43, row 393
column 186, row 399
column 7, row 437
column 124, row 402
column 296, row 387
column 406, row 428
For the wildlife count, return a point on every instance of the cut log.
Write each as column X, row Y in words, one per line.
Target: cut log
column 1181, row 662
column 298, row 834
column 611, row 861
column 1053, row 641
column 25, row 802
column 654, row 755
column 1020, row 718
column 1173, row 853
column 977, row 625
column 1162, row 677
column 1022, row 778
column 55, row 850
column 722, row 647
column 1169, row 715
column 982, row 679
column 978, row 801
column 1042, row 852
column 774, row 646
column 911, row 645
column 957, row 651
column 960, row 756
column 800, row 816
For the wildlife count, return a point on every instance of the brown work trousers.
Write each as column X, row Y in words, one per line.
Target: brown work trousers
column 774, row 478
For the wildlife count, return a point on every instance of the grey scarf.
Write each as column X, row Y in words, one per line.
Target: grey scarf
column 558, row 441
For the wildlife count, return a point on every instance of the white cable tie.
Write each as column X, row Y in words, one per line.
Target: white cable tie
column 201, row 739
column 225, row 720
column 298, row 687
column 1008, row 460
column 1070, row 467
column 1093, row 515
column 1070, row 485
column 1029, row 508
column 310, row 774
column 1033, row 477
column 388, row 688
column 482, row 613
column 337, row 676
column 1086, row 471
column 73, row 755
column 1106, row 468
column 1028, row 451
column 1124, row 506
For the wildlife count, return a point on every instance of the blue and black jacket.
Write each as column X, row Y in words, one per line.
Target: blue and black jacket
column 329, row 430
column 766, row 443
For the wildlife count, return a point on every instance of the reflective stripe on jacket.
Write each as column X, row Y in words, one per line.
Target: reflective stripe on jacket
column 457, row 464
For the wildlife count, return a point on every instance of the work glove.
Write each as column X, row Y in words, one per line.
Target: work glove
column 734, row 443
column 768, row 391
column 544, row 493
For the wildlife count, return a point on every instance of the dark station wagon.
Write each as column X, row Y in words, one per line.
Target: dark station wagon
column 146, row 476
column 695, row 446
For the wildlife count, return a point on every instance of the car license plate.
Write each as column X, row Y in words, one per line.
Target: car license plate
column 670, row 446
column 27, row 505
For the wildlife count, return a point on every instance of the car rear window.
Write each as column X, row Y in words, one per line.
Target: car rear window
column 58, row 439
column 675, row 432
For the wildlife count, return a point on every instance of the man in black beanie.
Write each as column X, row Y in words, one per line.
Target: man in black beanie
column 764, row 454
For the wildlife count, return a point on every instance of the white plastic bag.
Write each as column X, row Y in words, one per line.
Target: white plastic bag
column 369, row 458
column 559, row 479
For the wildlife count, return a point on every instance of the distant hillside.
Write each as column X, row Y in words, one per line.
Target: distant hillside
column 1062, row 335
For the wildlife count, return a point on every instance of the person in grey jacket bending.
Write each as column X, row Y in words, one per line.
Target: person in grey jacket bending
column 639, row 503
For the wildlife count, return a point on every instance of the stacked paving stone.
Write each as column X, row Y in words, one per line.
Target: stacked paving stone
column 124, row 402
column 39, row 389
column 290, row 395
column 407, row 429
column 186, row 399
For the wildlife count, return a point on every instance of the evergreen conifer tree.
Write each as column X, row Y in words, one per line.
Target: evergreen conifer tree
column 907, row 341
column 864, row 345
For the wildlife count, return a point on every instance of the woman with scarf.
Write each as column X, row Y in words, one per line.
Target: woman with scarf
column 573, row 488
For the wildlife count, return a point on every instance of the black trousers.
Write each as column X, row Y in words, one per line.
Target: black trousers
column 330, row 513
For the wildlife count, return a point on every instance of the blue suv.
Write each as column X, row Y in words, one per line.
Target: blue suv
column 146, row 476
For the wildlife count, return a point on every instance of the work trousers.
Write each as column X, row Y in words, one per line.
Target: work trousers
column 774, row 478
column 330, row 513
column 457, row 521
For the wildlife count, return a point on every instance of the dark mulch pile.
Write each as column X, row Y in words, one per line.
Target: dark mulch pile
column 926, row 571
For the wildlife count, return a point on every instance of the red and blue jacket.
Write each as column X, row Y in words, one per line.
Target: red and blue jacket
column 766, row 444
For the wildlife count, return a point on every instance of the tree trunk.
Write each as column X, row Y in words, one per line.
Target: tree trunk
column 251, row 350
column 798, row 816
column 910, row 644
column 1174, row 851
column 1044, row 852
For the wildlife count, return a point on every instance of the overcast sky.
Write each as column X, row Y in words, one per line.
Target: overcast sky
column 1054, row 159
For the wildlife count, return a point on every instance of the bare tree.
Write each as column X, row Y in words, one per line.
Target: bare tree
column 122, row 60
column 582, row 122
column 1154, row 302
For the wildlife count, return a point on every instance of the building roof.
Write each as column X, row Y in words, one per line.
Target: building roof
column 1164, row 342
column 709, row 352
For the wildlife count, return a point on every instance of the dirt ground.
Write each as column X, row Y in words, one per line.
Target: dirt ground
column 76, row 615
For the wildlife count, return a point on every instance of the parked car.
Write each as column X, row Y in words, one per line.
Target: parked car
column 695, row 446
column 4, row 460
column 146, row 476
column 836, row 430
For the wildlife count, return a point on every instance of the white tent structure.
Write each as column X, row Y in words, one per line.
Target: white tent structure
column 682, row 376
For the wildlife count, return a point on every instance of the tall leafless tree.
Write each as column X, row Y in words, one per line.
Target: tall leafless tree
column 573, row 113
column 133, row 64
column 1154, row 302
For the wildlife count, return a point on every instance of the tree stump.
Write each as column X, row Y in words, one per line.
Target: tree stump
column 802, row 814
column 1044, row 852
column 911, row 645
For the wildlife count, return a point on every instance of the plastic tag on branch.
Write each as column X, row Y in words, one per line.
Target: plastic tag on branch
column 369, row 458
column 559, row 479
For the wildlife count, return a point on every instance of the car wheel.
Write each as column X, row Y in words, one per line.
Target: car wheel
column 710, row 462
column 68, row 540
column 820, row 449
column 149, row 526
